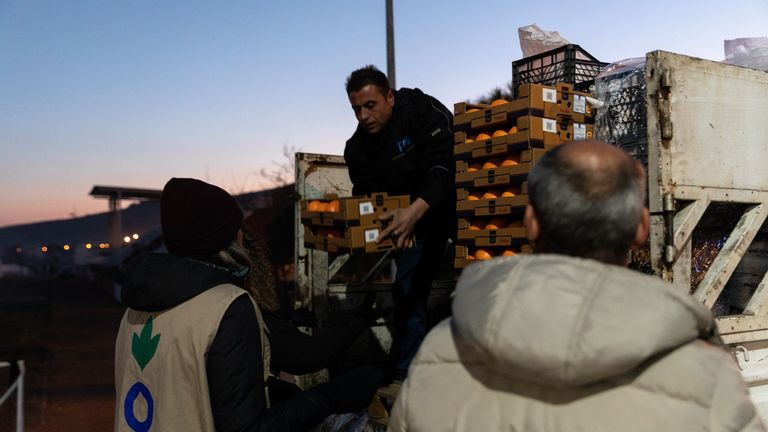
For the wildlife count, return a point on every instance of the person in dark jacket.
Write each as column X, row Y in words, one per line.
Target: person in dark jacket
column 403, row 145
column 292, row 350
column 191, row 353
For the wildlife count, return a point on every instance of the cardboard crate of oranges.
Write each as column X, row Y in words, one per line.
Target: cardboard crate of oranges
column 350, row 211
column 533, row 99
column 493, row 202
column 348, row 224
column 498, row 171
column 497, row 231
column 353, row 239
column 527, row 132
column 466, row 255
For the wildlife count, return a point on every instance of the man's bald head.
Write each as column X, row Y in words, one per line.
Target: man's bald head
column 588, row 198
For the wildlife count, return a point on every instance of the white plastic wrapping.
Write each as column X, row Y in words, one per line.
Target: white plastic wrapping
column 747, row 52
column 534, row 40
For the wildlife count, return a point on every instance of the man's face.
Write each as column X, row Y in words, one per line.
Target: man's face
column 372, row 107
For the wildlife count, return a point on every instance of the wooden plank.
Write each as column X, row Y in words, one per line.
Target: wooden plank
column 744, row 337
column 758, row 304
column 718, row 194
column 728, row 258
column 337, row 264
column 687, row 219
column 741, row 323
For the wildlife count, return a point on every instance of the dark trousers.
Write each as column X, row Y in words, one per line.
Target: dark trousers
column 416, row 268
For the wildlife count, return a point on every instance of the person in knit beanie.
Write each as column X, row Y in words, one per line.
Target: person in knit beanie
column 192, row 353
column 198, row 218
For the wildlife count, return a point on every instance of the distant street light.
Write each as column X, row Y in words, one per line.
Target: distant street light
column 135, row 236
column 88, row 245
column 66, row 247
column 44, row 249
column 127, row 239
column 18, row 250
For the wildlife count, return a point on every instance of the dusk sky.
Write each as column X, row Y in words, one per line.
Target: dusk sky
column 131, row 93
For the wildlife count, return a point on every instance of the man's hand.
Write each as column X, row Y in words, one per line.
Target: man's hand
column 403, row 222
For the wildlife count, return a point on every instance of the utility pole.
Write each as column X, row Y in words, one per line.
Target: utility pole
column 390, row 45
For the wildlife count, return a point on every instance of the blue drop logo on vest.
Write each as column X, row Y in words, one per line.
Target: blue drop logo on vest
column 130, row 399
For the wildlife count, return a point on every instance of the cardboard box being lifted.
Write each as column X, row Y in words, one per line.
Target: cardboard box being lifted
column 353, row 211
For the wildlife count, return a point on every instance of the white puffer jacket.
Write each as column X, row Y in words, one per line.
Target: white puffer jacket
column 553, row 343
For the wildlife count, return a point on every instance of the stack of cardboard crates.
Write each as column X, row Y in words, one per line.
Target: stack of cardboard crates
column 496, row 146
column 349, row 224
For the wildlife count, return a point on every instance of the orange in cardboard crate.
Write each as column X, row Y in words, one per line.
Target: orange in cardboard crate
column 508, row 252
column 498, row 102
column 513, row 130
column 510, row 192
column 473, row 197
column 483, row 254
column 476, row 225
column 313, row 205
column 510, row 161
column 496, row 223
column 470, row 257
column 491, row 164
column 470, row 139
column 477, row 166
column 334, row 206
column 482, row 137
column 500, row 132
column 322, row 206
column 491, row 194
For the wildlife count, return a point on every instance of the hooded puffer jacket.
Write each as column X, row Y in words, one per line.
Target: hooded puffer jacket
column 554, row 343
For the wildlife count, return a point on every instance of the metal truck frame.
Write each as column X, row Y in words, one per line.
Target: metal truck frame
column 708, row 143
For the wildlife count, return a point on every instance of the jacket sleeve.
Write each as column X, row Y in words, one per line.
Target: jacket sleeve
column 731, row 408
column 434, row 132
column 234, row 368
column 298, row 353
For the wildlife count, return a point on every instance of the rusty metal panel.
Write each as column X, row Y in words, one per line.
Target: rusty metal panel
column 711, row 121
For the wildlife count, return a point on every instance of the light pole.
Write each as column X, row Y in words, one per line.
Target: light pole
column 390, row 45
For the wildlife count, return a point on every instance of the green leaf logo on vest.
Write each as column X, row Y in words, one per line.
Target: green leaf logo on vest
column 144, row 346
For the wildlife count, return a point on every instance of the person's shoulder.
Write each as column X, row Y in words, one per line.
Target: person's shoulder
column 416, row 102
column 691, row 371
column 410, row 96
column 353, row 141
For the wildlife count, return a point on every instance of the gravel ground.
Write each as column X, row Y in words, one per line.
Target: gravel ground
column 64, row 330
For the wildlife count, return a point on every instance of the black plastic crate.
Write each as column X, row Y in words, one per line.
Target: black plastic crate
column 622, row 120
column 568, row 64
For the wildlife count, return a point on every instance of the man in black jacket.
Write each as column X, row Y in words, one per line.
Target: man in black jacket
column 403, row 145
